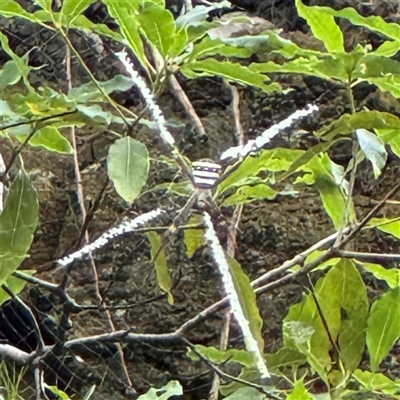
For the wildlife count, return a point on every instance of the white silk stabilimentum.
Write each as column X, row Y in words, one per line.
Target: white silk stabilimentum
column 149, row 98
column 267, row 135
column 124, row 227
column 227, row 280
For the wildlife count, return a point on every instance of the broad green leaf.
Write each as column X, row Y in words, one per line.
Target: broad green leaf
column 20, row 62
column 51, row 139
column 247, row 194
column 9, row 75
column 323, row 26
column 334, row 201
column 387, row 225
column 391, row 137
column 374, row 23
column 208, row 47
column 197, row 15
column 348, row 123
column 18, row 222
column 194, row 238
column 307, row 156
column 89, row 91
column 181, row 41
column 275, row 160
column 299, row 392
column 285, row 357
column 82, row 23
column 375, row 66
column 247, row 300
column 231, row 71
column 217, row 356
column 389, row 83
column 11, row 9
column 125, row 14
column 96, row 114
column 158, row 25
column 15, row 285
column 128, row 167
column 376, row 382
column 328, row 178
column 383, row 326
column 164, row 279
column 354, row 310
column 387, row 49
column 304, row 331
column 390, row 276
column 71, row 9
column 328, row 67
column 171, row 389
column 246, row 393
column 328, row 291
column 374, row 150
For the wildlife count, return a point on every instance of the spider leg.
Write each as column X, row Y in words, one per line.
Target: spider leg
column 181, row 218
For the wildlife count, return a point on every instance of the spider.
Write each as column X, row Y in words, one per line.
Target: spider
column 206, row 177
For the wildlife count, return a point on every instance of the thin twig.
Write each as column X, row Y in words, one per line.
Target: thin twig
column 187, row 105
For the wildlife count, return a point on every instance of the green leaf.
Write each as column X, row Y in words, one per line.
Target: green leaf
column 387, row 225
column 323, row 26
column 197, row 15
column 18, row 222
column 328, row 178
column 374, row 23
column 329, row 67
column 275, row 160
column 128, row 167
column 374, row 150
column 15, row 285
column 158, row 25
column 51, row 139
column 389, row 83
column 194, row 238
column 334, row 201
column 71, row 9
column 383, row 326
column 11, row 9
column 387, row 49
column 181, row 40
column 125, row 14
column 299, row 392
column 306, row 157
column 82, row 23
column 348, row 123
column 9, row 75
column 285, row 357
column 217, row 356
column 247, row 194
column 231, row 71
column 20, row 62
column 164, row 279
column 89, row 91
column 304, row 331
column 355, row 308
column 171, row 389
column 377, row 383
column 391, row 137
column 247, row 300
column 390, row 276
